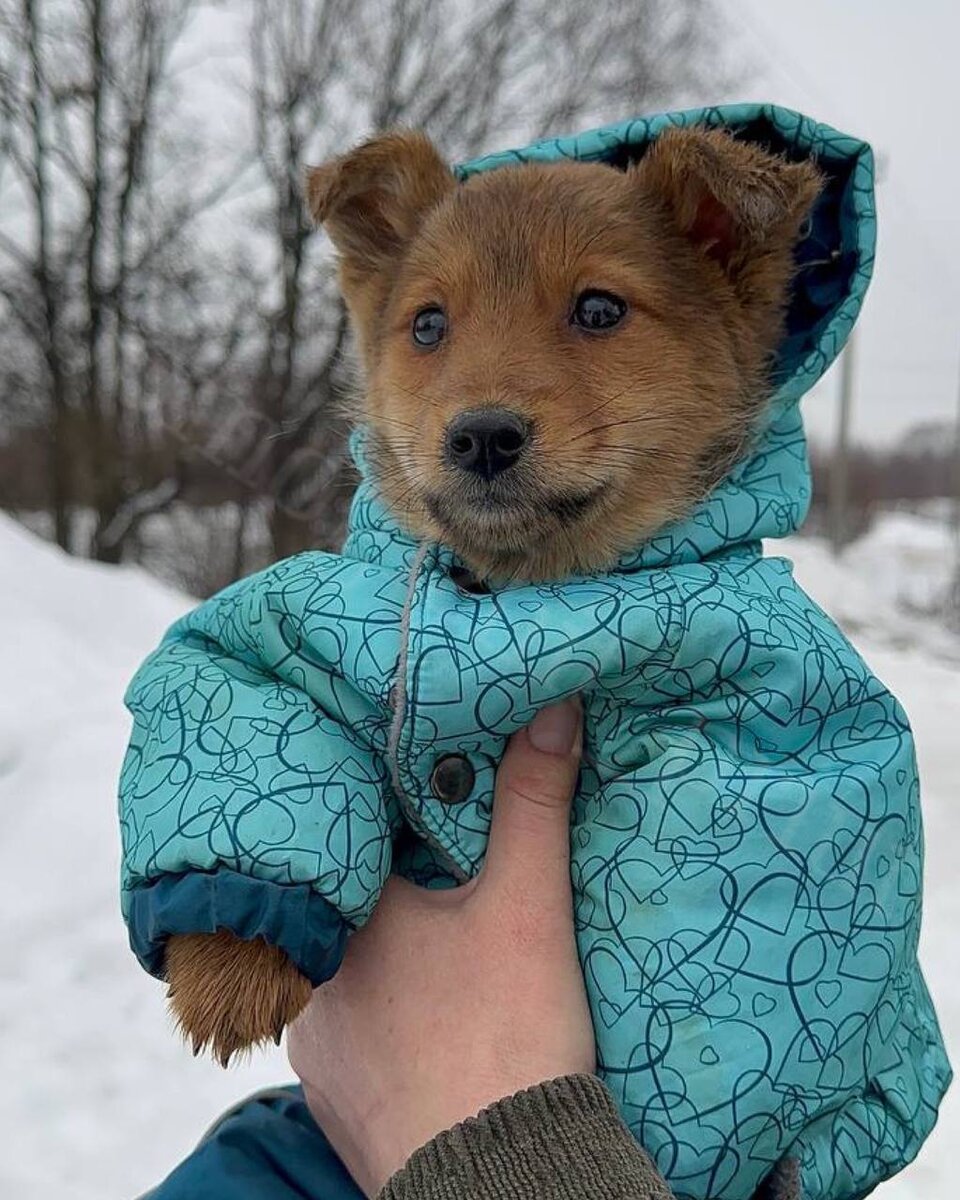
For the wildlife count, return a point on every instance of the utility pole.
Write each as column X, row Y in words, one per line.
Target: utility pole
column 840, row 463
column 953, row 597
column 955, row 489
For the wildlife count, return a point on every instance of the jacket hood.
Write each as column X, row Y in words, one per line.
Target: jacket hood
column 767, row 494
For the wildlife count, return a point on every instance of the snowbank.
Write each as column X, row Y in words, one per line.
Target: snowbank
column 101, row 1099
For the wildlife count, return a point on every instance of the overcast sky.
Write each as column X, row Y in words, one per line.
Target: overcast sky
column 886, row 71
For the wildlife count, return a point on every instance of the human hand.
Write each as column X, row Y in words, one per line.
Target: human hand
column 447, row 1001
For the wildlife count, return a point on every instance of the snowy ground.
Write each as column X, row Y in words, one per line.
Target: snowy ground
column 100, row 1100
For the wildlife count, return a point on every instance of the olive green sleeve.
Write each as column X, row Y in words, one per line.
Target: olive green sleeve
column 562, row 1140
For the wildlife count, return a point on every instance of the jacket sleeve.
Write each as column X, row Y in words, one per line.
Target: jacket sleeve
column 255, row 794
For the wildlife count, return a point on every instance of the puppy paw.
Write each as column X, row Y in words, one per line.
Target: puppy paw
column 229, row 994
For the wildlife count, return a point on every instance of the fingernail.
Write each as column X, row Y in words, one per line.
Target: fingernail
column 555, row 730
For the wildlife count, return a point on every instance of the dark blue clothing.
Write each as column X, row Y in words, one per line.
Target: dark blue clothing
column 267, row 1148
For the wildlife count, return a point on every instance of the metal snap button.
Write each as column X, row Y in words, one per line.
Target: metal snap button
column 451, row 779
column 466, row 581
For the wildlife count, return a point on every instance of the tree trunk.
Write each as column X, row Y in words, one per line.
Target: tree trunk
column 60, row 474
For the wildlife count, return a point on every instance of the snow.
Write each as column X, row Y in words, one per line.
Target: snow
column 101, row 1099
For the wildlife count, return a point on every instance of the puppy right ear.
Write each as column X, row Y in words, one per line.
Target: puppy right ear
column 372, row 200
column 739, row 205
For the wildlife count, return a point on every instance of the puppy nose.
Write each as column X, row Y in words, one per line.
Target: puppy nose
column 486, row 441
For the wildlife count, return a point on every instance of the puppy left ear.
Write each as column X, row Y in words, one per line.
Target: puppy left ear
column 732, row 200
column 372, row 200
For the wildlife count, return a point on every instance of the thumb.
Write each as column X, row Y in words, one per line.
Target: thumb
column 530, row 831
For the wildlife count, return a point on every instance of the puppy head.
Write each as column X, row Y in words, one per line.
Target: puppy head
column 561, row 358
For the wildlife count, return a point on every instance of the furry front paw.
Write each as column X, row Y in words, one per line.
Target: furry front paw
column 230, row 994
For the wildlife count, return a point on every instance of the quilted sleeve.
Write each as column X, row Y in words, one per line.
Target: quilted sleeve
column 255, row 795
column 749, row 900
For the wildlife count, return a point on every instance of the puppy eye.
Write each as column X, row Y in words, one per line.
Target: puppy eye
column 595, row 311
column 429, row 326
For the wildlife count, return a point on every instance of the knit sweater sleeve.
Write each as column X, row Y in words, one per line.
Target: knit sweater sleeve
column 562, row 1140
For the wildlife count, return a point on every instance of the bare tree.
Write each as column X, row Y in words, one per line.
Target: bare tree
column 97, row 233
column 296, row 48
column 171, row 339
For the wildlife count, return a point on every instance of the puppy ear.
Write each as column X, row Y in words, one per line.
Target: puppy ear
column 735, row 202
column 372, row 200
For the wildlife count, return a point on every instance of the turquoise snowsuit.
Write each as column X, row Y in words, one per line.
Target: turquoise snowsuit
column 746, row 836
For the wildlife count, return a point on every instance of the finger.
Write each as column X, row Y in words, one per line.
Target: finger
column 530, row 831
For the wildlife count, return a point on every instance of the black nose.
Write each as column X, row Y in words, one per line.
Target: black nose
column 486, row 441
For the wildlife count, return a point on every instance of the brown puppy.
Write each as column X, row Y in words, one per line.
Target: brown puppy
column 559, row 359
column 605, row 333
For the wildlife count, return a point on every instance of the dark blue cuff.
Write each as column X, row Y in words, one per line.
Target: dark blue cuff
column 291, row 916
